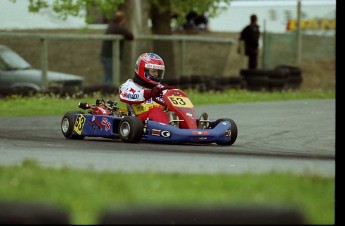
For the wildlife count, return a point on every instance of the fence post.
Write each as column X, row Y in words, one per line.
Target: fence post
column 299, row 33
column 116, row 62
column 44, row 63
column 182, row 56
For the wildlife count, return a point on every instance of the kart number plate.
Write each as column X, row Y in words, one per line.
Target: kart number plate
column 79, row 123
column 180, row 101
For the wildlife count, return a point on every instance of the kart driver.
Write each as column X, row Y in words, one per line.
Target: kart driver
column 138, row 93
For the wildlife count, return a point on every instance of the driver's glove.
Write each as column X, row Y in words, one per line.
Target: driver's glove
column 155, row 92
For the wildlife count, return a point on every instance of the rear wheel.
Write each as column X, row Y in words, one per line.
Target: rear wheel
column 233, row 130
column 131, row 129
column 67, row 125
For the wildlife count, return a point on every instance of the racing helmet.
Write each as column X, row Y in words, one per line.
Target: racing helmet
column 150, row 68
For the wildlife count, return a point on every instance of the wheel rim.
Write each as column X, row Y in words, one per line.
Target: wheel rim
column 125, row 129
column 65, row 125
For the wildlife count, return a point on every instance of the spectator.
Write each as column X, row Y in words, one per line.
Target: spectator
column 195, row 22
column 115, row 26
column 250, row 36
column 201, row 22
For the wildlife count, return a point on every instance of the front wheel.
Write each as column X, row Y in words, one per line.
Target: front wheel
column 67, row 125
column 233, row 130
column 131, row 129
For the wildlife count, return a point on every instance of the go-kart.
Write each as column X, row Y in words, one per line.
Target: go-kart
column 105, row 119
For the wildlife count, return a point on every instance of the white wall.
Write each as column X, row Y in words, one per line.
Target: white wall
column 275, row 13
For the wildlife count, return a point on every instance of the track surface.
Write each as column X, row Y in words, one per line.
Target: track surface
column 288, row 136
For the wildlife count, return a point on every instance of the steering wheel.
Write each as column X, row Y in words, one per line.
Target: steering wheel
column 161, row 95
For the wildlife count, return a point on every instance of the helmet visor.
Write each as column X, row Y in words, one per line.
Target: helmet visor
column 154, row 72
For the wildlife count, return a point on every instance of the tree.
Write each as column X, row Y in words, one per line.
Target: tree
column 67, row 8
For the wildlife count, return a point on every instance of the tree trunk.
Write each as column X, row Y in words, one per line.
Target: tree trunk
column 136, row 21
column 161, row 26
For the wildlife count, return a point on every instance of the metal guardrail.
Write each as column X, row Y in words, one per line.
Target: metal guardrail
column 44, row 37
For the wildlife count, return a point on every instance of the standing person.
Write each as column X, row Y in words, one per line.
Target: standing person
column 138, row 93
column 116, row 26
column 250, row 35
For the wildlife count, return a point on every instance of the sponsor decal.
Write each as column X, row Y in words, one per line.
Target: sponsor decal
column 106, row 123
column 131, row 96
column 165, row 133
column 228, row 133
column 155, row 132
column 97, row 122
column 200, row 138
column 160, row 133
column 199, row 132
column 155, row 66
column 312, row 24
column 93, row 125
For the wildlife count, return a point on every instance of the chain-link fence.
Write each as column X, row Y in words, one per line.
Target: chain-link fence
column 282, row 48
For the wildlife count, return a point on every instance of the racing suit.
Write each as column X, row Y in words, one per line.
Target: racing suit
column 132, row 94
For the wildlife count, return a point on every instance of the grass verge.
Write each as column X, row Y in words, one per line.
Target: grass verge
column 54, row 105
column 86, row 193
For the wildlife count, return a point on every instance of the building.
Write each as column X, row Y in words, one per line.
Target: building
column 277, row 15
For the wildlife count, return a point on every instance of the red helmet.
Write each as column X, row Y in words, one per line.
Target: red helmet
column 150, row 68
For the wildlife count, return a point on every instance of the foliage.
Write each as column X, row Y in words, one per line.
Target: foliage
column 182, row 7
column 66, row 8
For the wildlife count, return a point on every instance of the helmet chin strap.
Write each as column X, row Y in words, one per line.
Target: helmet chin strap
column 141, row 82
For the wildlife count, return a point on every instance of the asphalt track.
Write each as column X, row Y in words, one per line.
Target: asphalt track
column 287, row 136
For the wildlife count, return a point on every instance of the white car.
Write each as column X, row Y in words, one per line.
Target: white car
column 18, row 76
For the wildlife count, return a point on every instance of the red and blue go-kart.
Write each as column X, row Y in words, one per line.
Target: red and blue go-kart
column 105, row 119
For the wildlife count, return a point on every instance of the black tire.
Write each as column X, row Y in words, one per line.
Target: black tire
column 67, row 124
column 294, row 78
column 256, row 79
column 234, row 130
column 131, row 129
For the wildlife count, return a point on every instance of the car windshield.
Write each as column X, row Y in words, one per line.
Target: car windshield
column 10, row 60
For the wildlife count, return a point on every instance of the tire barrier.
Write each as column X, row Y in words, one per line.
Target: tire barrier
column 294, row 78
column 208, row 215
column 32, row 213
column 282, row 77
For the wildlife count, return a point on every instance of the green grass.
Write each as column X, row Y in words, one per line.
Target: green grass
column 47, row 105
column 85, row 193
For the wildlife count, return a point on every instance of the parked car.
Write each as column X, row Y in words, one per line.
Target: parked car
column 18, row 76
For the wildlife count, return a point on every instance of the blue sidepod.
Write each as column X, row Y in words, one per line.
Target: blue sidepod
column 96, row 125
column 160, row 132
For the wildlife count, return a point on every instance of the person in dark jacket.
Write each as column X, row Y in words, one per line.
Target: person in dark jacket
column 250, row 35
column 116, row 26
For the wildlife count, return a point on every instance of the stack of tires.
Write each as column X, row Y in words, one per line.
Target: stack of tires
column 282, row 77
column 204, row 83
column 294, row 78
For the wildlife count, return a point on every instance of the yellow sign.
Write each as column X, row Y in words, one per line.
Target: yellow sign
column 79, row 123
column 312, row 24
column 180, row 101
